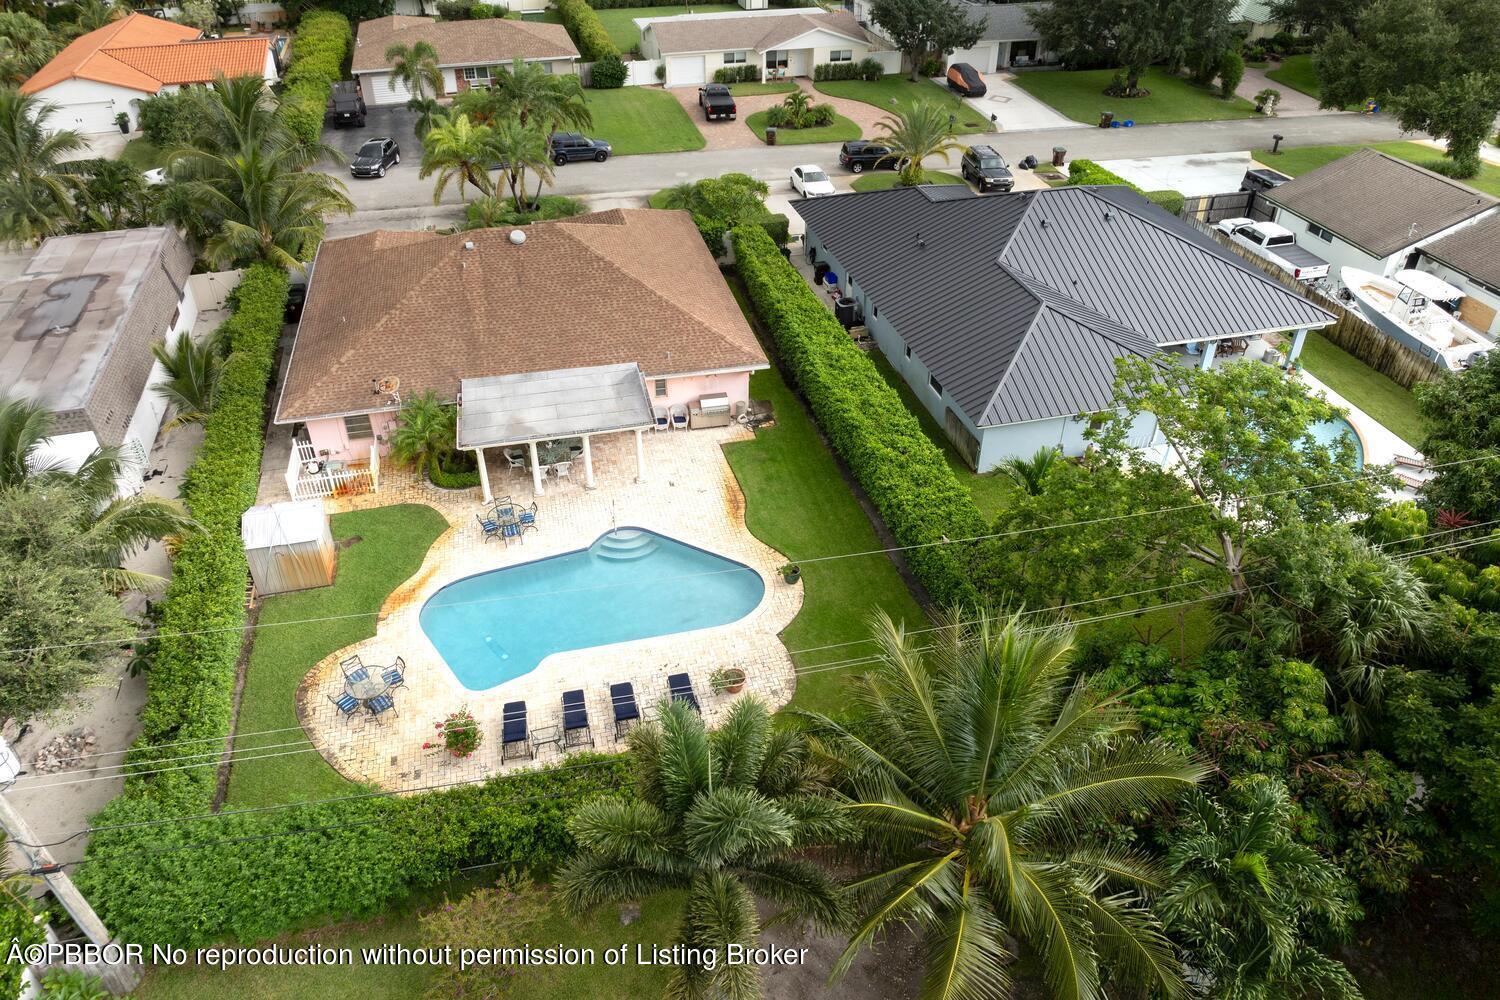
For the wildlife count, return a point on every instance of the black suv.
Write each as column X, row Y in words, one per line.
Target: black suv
column 375, row 157
column 859, row 156
column 569, row 146
column 345, row 106
column 987, row 169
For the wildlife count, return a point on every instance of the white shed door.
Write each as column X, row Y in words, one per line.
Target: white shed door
column 684, row 71
column 86, row 116
column 981, row 57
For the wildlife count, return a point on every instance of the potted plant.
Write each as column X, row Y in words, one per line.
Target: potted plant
column 123, row 120
column 727, row 680
column 461, row 735
column 790, row 572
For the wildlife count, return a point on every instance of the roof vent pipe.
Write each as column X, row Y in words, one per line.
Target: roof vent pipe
column 518, row 236
column 1044, row 222
column 468, row 244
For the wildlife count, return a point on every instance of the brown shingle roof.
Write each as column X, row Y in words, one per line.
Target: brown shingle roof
column 1474, row 250
column 143, row 53
column 759, row 32
column 461, row 43
column 627, row 285
column 1378, row 202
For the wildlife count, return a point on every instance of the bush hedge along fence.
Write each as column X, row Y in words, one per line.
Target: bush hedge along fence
column 900, row 469
column 318, row 54
column 587, row 30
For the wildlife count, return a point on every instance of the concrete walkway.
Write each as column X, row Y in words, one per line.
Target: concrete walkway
column 1293, row 103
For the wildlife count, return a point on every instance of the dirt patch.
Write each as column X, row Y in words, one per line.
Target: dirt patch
column 347, row 543
column 247, row 641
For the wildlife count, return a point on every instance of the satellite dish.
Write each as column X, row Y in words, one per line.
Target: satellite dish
column 388, row 385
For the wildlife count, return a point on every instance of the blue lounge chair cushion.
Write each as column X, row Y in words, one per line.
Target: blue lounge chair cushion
column 623, row 698
column 355, row 676
column 346, row 703
column 575, row 714
column 514, row 727
column 391, row 676
column 380, row 703
column 682, row 689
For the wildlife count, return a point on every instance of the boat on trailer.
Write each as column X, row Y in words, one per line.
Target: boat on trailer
column 1416, row 309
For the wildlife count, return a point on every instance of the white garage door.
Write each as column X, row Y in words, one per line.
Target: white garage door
column 981, row 57
column 378, row 89
column 88, row 116
column 684, row 71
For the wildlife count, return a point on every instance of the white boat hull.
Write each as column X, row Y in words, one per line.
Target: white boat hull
column 1447, row 343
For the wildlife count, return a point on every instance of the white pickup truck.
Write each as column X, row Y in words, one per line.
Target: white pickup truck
column 1277, row 245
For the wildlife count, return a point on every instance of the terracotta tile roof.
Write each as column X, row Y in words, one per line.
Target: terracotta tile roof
column 627, row 285
column 753, row 31
column 1474, row 250
column 461, row 43
column 1378, row 202
column 143, row 53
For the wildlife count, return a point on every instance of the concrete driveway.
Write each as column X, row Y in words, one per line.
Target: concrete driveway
column 1013, row 108
column 1194, row 175
column 380, row 121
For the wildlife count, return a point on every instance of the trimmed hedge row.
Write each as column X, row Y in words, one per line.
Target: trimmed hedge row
column 900, row 469
column 277, row 870
column 318, row 53
column 587, row 30
column 1089, row 172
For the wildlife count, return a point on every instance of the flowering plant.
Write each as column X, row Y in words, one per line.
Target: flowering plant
column 461, row 735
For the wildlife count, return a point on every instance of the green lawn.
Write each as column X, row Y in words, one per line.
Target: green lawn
column 642, row 120
column 392, row 544
column 1298, row 73
column 1079, row 94
column 841, row 130
column 880, row 180
column 895, row 90
column 797, row 502
column 141, row 154
column 1384, row 400
column 1300, row 159
column 754, row 89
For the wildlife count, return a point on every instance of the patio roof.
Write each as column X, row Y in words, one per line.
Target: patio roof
column 540, row 406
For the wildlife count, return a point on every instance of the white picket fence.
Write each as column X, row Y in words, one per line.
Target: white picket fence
column 347, row 478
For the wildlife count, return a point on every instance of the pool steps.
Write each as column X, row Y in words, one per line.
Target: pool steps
column 624, row 544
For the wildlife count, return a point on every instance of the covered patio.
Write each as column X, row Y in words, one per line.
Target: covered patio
column 536, row 410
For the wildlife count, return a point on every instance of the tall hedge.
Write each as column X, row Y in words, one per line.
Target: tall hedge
column 319, row 49
column 587, row 30
column 1089, row 172
column 900, row 469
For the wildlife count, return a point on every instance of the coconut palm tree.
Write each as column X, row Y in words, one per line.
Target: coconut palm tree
column 415, row 67
column 1030, row 473
column 25, row 46
column 527, row 91
column 457, row 149
column 427, row 110
column 914, row 133
column 35, row 189
column 720, row 816
column 1247, row 897
column 234, row 117
column 521, row 148
column 193, row 373
column 426, row 431
column 982, row 775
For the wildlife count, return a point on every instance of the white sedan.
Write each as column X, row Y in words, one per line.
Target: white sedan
column 811, row 182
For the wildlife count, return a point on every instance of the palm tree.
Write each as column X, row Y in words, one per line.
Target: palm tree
column 1030, row 473
column 427, row 110
column 193, row 373
column 95, row 14
column 796, row 104
column 25, row 46
column 720, row 816
column 1247, row 897
column 982, row 777
column 457, row 149
column 426, row 431
column 914, row 133
column 526, row 90
column 521, row 148
column 686, row 196
column 35, row 190
column 234, row 117
column 415, row 67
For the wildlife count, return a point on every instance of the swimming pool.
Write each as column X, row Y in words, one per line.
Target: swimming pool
column 629, row 584
column 1327, row 432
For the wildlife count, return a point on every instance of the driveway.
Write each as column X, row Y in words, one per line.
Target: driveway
column 1014, row 109
column 1194, row 175
column 380, row 121
column 1293, row 103
column 726, row 134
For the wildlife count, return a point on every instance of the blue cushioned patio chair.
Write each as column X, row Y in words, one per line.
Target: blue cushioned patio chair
column 346, row 703
column 395, row 674
column 576, row 731
column 350, row 664
column 681, row 689
column 627, row 712
column 509, row 531
column 380, row 704
column 515, row 741
column 490, row 528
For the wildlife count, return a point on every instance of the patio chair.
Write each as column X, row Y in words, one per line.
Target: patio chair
column 503, row 510
column 681, row 689
column 622, row 696
column 347, row 705
column 515, row 458
column 509, row 531
column 528, row 518
column 490, row 527
column 381, row 704
column 576, row 731
column 349, row 664
column 563, row 470
column 659, row 414
column 679, row 417
column 357, row 676
column 395, row 674
column 515, row 741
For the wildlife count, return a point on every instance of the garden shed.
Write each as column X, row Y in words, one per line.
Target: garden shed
column 289, row 546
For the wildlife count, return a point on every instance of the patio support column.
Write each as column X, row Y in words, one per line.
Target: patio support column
column 1298, row 339
column 484, row 475
column 536, row 471
column 1209, row 349
column 588, row 464
column 640, row 458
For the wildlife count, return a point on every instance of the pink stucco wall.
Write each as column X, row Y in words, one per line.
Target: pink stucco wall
column 329, row 436
column 735, row 385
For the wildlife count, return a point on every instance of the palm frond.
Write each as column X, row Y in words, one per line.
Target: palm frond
column 726, row 823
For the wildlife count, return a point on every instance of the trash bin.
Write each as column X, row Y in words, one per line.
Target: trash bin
column 1059, row 154
column 1106, row 118
column 771, row 136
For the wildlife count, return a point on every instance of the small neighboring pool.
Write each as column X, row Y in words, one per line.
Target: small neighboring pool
column 630, row 584
column 1327, row 433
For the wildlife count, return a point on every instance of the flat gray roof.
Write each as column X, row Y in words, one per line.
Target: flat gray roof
column 540, row 406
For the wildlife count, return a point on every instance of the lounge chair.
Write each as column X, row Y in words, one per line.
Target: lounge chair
column 679, row 417
column 380, row 704
column 622, row 696
column 347, row 705
column 659, row 414
column 350, row 664
column 1410, row 462
column 576, row 731
column 491, row 528
column 515, row 740
column 395, row 674
column 681, row 689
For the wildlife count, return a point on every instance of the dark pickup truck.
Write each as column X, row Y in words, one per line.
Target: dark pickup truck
column 716, row 101
column 345, row 106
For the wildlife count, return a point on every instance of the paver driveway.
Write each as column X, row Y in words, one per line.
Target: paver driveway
column 737, row 135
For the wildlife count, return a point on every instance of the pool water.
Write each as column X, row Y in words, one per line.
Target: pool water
column 1327, row 433
column 629, row 584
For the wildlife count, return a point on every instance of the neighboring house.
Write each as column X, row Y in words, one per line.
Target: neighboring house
column 1469, row 259
column 499, row 313
column 1007, row 314
column 1374, row 212
column 76, row 331
column 467, row 51
column 788, row 43
column 112, row 69
column 1254, row 19
column 1008, row 39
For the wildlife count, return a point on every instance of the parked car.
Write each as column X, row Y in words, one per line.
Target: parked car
column 345, row 106
column 810, row 181
column 717, row 101
column 1276, row 244
column 965, row 79
column 1262, row 179
column 569, row 146
column 858, row 156
column 987, row 169
column 375, row 157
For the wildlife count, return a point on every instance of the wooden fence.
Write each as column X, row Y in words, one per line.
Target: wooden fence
column 1351, row 331
column 1213, row 208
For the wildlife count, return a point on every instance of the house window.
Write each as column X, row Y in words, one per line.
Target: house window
column 733, row 58
column 908, row 354
column 358, row 426
column 937, row 386
column 477, row 76
column 1320, row 232
column 776, row 58
column 841, row 55
column 661, row 387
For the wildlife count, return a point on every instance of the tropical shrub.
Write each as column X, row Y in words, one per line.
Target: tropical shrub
column 318, row 54
column 168, row 119
column 1231, row 72
column 609, row 73
column 455, row 10
column 743, row 73
column 461, row 734
column 865, row 69
column 453, row 472
column 895, row 463
column 511, row 915
column 587, row 30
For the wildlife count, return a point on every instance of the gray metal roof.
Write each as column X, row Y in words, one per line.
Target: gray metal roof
column 1020, row 304
column 947, row 192
column 1007, row 22
column 540, row 406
